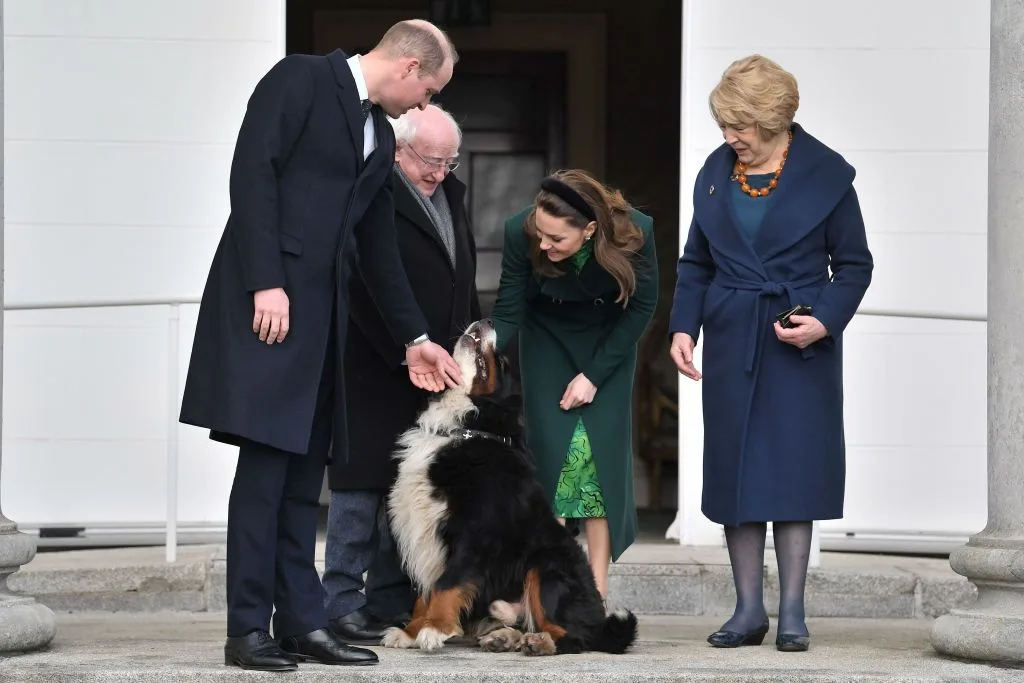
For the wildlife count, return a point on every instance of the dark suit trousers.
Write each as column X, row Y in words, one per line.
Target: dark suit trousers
column 359, row 541
column 273, row 513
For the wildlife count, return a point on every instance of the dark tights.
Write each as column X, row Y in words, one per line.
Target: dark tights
column 746, row 554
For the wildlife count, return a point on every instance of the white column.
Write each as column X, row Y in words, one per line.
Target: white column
column 992, row 629
column 24, row 623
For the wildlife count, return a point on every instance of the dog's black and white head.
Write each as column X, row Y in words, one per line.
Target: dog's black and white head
column 485, row 371
column 487, row 382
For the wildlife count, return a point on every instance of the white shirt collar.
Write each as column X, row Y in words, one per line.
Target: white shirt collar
column 357, row 74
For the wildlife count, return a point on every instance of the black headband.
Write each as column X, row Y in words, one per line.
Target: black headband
column 569, row 196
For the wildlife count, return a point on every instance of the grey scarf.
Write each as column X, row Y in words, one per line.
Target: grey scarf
column 437, row 210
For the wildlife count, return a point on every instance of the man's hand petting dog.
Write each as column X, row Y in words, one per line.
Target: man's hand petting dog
column 580, row 391
column 431, row 367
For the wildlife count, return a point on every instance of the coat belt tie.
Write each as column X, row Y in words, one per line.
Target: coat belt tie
column 767, row 289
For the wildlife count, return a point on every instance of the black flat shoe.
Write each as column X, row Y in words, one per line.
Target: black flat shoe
column 259, row 652
column 358, row 627
column 734, row 639
column 402, row 620
column 323, row 647
column 787, row 642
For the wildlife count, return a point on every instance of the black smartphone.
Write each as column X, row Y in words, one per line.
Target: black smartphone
column 799, row 309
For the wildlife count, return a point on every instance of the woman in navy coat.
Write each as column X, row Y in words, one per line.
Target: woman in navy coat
column 774, row 211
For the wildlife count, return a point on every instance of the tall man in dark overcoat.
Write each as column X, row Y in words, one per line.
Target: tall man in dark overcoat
column 310, row 183
column 436, row 242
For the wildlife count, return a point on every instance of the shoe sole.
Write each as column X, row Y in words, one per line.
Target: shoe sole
column 313, row 660
column 358, row 641
column 228, row 661
column 740, row 644
column 349, row 640
column 752, row 640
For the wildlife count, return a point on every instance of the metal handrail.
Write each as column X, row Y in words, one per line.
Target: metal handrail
column 173, row 361
column 173, row 368
column 925, row 315
column 98, row 303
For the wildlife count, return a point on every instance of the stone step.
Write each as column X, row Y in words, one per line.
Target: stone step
column 655, row 579
column 180, row 647
column 663, row 579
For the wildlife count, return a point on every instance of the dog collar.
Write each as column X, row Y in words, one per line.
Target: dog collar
column 476, row 433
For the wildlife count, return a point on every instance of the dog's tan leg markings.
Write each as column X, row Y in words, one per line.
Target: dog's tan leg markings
column 507, row 613
column 506, row 639
column 419, row 613
column 406, row 638
column 544, row 642
column 444, row 616
column 420, row 608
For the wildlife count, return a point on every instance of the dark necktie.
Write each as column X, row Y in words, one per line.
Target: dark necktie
column 366, row 106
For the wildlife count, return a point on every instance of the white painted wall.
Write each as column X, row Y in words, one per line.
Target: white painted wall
column 900, row 87
column 120, row 119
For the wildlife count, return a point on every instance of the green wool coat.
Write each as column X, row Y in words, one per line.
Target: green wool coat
column 568, row 325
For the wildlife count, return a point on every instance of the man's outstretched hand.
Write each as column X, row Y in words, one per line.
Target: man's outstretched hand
column 431, row 367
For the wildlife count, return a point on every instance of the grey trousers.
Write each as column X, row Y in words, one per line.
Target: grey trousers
column 359, row 541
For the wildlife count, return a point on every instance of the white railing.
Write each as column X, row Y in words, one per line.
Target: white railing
column 173, row 387
column 927, row 315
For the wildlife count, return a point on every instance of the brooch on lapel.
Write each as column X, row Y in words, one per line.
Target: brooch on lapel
column 712, row 190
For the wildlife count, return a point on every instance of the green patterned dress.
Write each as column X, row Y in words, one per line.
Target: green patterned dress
column 578, row 492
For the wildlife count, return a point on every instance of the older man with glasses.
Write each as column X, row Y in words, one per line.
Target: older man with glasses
column 439, row 255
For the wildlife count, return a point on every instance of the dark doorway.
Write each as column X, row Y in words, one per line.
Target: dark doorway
column 511, row 108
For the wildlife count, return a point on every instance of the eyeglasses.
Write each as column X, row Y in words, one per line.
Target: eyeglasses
column 448, row 166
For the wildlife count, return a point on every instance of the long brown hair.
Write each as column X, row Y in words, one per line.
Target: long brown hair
column 616, row 240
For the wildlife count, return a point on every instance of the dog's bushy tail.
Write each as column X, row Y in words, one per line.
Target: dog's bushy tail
column 617, row 634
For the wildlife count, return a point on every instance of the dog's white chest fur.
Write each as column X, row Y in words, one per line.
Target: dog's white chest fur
column 416, row 511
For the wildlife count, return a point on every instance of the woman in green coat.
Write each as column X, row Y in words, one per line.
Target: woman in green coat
column 579, row 282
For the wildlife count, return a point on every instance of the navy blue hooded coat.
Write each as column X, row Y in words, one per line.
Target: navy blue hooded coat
column 774, row 447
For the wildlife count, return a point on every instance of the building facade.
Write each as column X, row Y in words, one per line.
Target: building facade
column 120, row 119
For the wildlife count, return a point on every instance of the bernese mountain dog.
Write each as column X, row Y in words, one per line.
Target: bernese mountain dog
column 478, row 536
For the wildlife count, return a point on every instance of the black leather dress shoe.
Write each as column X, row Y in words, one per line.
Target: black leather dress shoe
column 787, row 642
column 358, row 627
column 734, row 639
column 323, row 647
column 402, row 620
column 257, row 651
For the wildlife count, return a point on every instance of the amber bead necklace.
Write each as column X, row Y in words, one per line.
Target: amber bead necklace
column 741, row 175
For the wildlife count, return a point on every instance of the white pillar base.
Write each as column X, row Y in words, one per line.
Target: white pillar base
column 25, row 624
column 992, row 629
